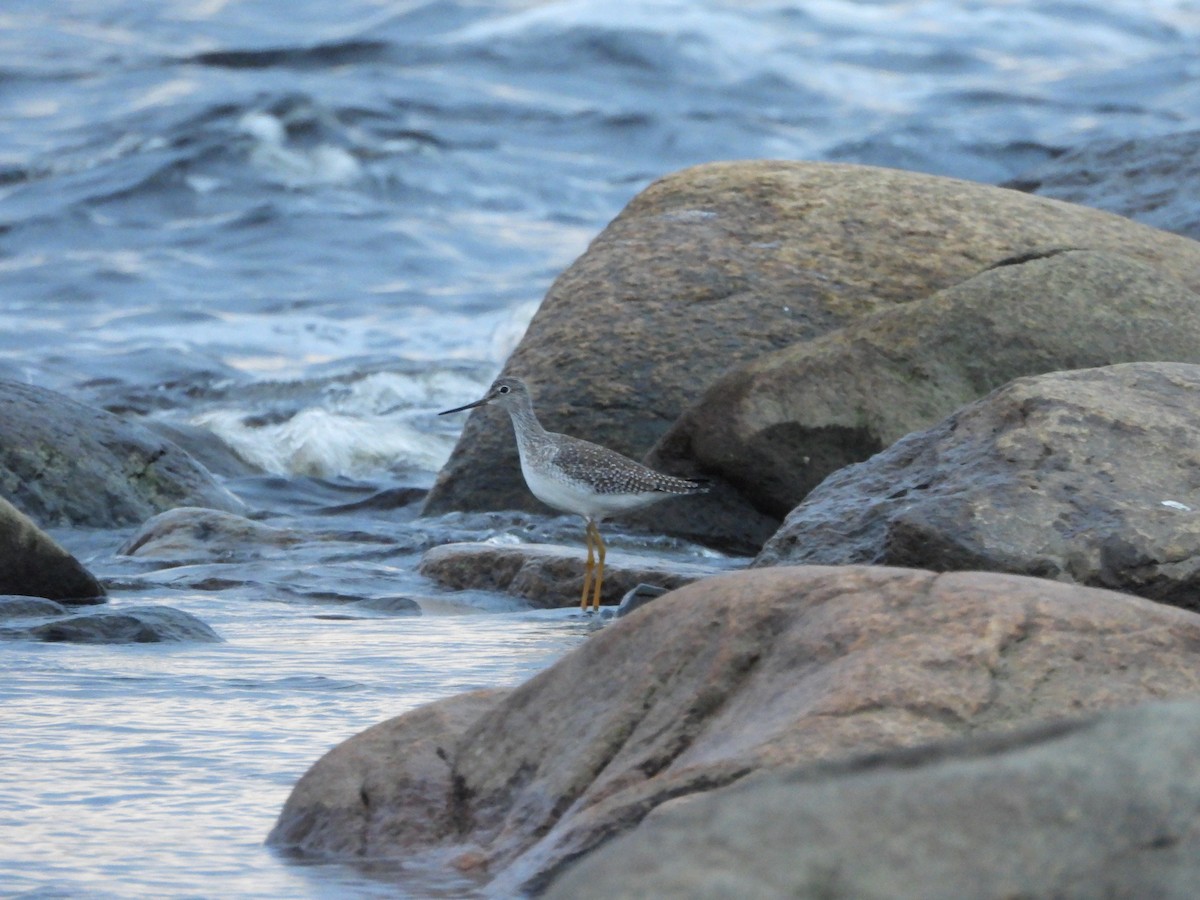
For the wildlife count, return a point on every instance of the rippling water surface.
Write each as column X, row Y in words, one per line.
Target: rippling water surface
column 304, row 227
column 152, row 770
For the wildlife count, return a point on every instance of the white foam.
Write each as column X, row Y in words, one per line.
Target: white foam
column 324, row 443
column 511, row 328
column 381, row 393
column 379, row 422
column 296, row 167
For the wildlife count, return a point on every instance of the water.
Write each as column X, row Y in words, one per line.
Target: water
column 305, row 227
column 152, row 771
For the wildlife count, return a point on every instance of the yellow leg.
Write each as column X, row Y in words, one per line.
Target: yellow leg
column 588, row 568
column 599, row 542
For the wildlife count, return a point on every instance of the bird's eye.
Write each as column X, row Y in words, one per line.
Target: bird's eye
column 503, row 389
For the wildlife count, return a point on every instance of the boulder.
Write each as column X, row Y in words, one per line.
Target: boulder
column 728, row 676
column 776, row 427
column 1154, row 180
column 1103, row 807
column 343, row 805
column 63, row 463
column 712, row 267
column 551, row 576
column 34, row 564
column 1086, row 476
column 127, row 625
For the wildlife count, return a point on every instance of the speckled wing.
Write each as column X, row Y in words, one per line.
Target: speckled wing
column 608, row 472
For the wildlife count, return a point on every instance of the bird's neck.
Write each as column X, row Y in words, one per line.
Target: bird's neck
column 526, row 424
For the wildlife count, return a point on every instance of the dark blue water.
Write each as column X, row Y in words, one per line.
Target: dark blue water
column 307, row 226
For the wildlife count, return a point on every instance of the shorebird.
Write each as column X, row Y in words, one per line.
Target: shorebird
column 576, row 476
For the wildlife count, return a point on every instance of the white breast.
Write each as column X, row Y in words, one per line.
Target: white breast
column 572, row 497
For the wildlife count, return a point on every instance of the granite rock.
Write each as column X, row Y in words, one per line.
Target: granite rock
column 729, row 676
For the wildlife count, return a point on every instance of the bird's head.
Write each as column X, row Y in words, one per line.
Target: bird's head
column 505, row 391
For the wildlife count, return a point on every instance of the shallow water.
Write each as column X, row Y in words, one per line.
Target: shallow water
column 153, row 770
column 304, row 228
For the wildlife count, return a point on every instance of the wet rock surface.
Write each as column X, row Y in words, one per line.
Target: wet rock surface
column 33, row 563
column 388, row 606
column 195, row 533
column 126, row 625
column 18, row 606
column 552, row 576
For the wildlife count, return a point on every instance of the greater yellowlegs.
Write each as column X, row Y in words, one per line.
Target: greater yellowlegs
column 577, row 476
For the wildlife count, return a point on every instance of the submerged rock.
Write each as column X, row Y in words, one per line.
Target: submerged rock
column 127, row 625
column 34, row 564
column 64, row 463
column 637, row 597
column 17, row 606
column 392, row 606
column 193, row 533
column 732, row 675
column 1101, row 807
column 551, row 576
column 1085, row 476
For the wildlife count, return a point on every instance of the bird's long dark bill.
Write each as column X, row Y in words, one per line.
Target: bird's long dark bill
column 447, row 412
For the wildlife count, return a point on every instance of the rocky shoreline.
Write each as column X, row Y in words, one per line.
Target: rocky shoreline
column 871, row 367
column 952, row 423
